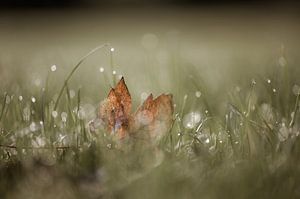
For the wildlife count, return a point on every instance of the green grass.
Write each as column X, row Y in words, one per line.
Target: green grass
column 246, row 144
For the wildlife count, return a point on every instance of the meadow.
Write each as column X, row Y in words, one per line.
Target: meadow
column 235, row 131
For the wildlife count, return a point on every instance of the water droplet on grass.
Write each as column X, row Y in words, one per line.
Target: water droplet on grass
column 53, row 68
column 191, row 119
column 198, row 94
column 101, row 69
column 108, row 146
column 54, row 114
column 207, row 141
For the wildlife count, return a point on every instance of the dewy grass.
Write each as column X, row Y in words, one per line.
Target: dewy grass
column 73, row 71
column 236, row 142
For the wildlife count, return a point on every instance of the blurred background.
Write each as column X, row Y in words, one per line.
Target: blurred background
column 221, row 39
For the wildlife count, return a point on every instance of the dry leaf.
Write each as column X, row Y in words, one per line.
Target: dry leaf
column 153, row 117
column 114, row 111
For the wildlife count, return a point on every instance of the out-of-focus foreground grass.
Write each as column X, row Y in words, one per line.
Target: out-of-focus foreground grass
column 235, row 131
column 240, row 141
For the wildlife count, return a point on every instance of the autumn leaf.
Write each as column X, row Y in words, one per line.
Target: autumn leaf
column 115, row 110
column 153, row 118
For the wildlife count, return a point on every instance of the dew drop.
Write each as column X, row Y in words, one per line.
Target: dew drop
column 191, row 119
column 198, row 94
column 54, row 114
column 112, row 50
column 33, row 99
column 207, row 141
column 20, row 98
column 101, row 69
column 114, row 72
column 53, row 68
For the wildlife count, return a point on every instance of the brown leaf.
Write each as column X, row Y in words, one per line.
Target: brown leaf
column 154, row 116
column 123, row 95
column 114, row 111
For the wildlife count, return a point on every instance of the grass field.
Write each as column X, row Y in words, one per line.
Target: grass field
column 241, row 143
column 235, row 132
